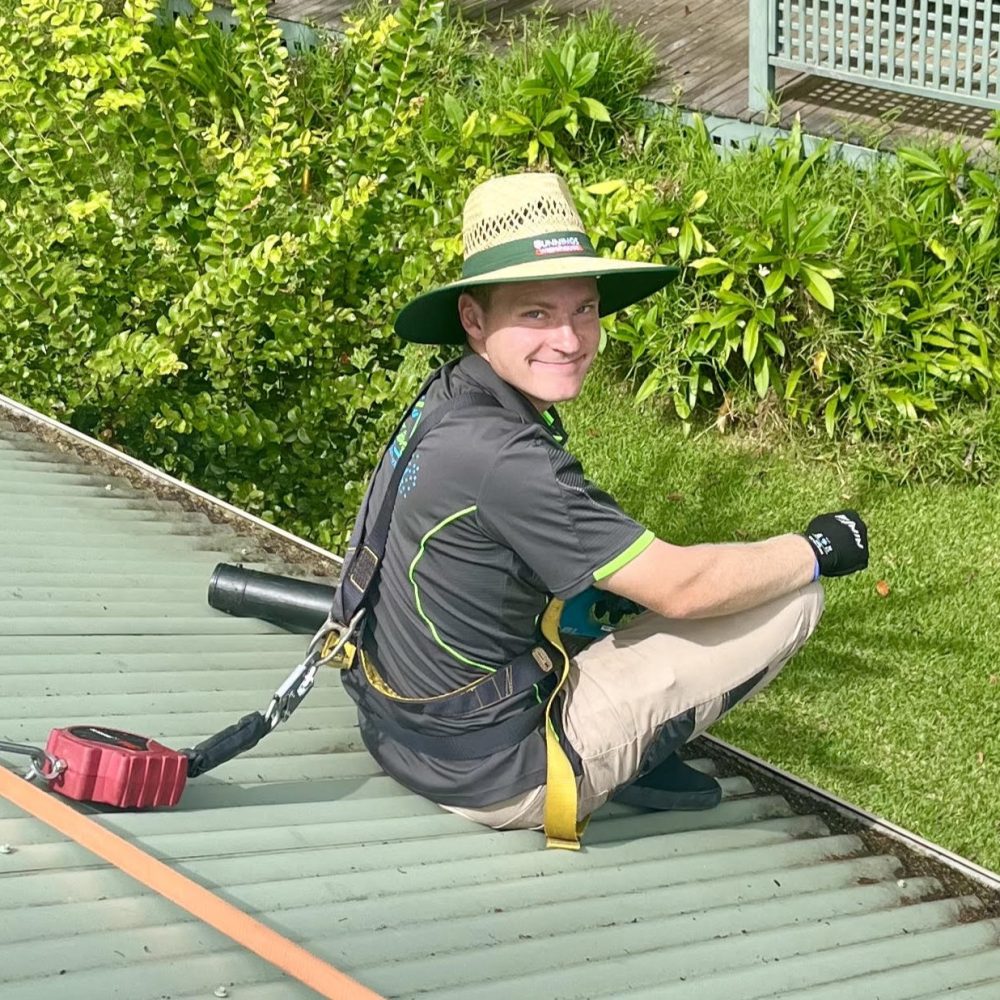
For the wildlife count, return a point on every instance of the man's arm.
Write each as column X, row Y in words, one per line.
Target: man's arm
column 702, row 581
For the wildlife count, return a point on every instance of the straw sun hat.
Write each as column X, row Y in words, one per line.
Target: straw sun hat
column 525, row 227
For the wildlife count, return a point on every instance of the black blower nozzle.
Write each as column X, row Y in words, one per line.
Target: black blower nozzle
column 295, row 605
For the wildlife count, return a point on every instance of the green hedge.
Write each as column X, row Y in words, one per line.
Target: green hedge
column 203, row 243
column 865, row 303
column 202, row 247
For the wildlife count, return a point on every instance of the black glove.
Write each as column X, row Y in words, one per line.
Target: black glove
column 840, row 542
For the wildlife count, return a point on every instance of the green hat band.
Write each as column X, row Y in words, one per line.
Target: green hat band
column 523, row 251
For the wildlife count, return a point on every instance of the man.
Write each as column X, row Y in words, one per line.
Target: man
column 467, row 533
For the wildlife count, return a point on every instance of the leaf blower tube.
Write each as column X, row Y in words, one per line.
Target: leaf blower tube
column 296, row 605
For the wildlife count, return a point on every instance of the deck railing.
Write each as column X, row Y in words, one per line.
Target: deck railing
column 946, row 49
column 296, row 37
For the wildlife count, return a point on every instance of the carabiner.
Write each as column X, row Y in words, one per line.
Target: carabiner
column 301, row 680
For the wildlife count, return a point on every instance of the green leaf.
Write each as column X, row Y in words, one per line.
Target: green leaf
column 751, row 340
column 649, row 386
column 793, row 380
column 918, row 157
column 775, row 343
column 469, row 128
column 606, row 187
column 534, row 88
column 943, row 253
column 568, row 57
column 709, row 265
column 453, row 110
column 697, row 201
column 773, row 282
column 818, row 287
column 594, row 109
column 826, row 270
column 518, row 119
column 830, row 415
column 554, row 116
column 554, row 65
column 761, row 376
column 585, row 69
column 788, row 221
column 685, row 241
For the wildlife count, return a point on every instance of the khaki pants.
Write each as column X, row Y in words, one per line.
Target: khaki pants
column 635, row 695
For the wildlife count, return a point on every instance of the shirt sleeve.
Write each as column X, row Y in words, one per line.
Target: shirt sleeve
column 536, row 500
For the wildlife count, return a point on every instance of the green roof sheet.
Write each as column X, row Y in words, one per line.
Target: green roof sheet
column 103, row 619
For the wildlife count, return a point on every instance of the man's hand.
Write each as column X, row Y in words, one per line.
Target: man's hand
column 840, row 542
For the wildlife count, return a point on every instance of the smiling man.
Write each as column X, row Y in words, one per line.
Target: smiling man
column 479, row 523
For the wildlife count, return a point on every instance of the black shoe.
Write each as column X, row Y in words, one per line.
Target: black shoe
column 671, row 785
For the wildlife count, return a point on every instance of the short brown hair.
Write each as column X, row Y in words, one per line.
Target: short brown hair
column 481, row 294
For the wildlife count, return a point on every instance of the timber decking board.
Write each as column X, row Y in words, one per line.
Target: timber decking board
column 701, row 50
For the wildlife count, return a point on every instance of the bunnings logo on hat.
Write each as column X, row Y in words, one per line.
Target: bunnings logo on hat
column 558, row 244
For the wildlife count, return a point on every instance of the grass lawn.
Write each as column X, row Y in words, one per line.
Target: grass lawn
column 895, row 703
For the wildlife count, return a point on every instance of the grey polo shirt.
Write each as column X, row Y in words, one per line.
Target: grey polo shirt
column 493, row 516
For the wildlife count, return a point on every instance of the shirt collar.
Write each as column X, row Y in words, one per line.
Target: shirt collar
column 479, row 371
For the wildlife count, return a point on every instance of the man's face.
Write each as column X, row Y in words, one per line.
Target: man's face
column 539, row 336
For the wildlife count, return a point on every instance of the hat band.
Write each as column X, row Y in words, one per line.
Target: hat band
column 570, row 243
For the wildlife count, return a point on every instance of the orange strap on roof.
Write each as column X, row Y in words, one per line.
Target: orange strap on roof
column 179, row 889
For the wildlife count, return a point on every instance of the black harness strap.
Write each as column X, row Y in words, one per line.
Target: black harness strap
column 465, row 746
column 527, row 677
column 360, row 574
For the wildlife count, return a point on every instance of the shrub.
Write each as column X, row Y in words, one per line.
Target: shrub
column 173, row 280
column 864, row 303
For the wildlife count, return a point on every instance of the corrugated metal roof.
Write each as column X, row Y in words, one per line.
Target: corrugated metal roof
column 103, row 618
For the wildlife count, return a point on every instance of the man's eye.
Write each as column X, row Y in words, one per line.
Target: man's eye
column 533, row 314
column 588, row 307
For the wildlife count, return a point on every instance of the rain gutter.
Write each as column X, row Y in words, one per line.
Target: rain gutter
column 84, row 443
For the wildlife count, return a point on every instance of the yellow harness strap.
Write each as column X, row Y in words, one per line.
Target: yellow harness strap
column 561, row 827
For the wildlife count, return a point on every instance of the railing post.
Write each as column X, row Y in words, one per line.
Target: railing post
column 760, row 70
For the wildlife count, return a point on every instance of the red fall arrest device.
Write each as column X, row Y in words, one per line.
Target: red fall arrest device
column 116, row 768
column 94, row 763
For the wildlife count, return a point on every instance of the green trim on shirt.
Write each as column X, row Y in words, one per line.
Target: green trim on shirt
column 639, row 545
column 550, row 420
column 416, row 591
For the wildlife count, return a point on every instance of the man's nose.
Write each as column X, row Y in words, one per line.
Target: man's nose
column 565, row 337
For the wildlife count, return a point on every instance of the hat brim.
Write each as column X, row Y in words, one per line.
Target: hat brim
column 432, row 318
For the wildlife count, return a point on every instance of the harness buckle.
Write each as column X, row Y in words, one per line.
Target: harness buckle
column 542, row 658
column 332, row 642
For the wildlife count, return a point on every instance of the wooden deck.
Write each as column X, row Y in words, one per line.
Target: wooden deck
column 702, row 52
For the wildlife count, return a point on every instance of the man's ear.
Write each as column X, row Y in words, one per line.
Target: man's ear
column 472, row 317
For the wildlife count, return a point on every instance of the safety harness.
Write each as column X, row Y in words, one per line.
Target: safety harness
column 519, row 698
